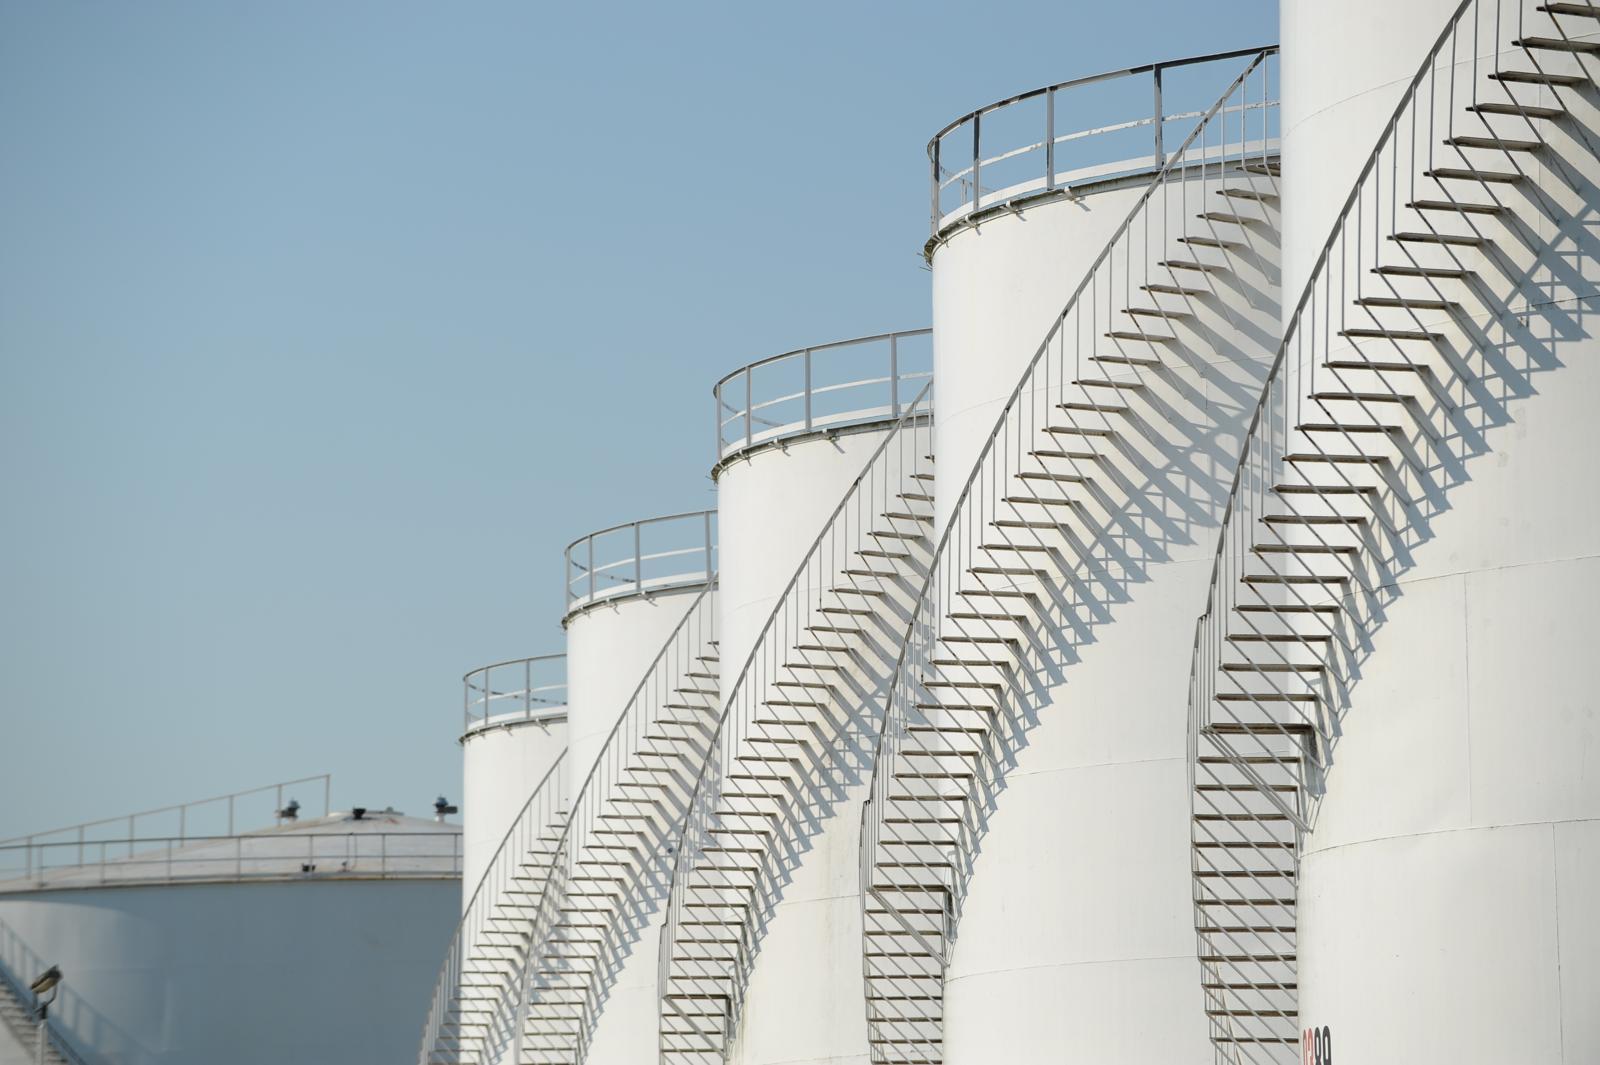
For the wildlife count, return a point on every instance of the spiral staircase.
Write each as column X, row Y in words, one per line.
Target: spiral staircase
column 1064, row 490
column 473, row 1013
column 786, row 747
column 1403, row 351
column 618, row 844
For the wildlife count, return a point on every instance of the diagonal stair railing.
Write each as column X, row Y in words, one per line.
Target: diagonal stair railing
column 617, row 845
column 471, row 1015
column 1394, row 362
column 1057, row 475
column 787, row 734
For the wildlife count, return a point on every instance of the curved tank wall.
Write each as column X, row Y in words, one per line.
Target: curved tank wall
column 1446, row 887
column 314, row 941
column 804, row 1001
column 502, row 764
column 324, row 973
column 1076, row 938
column 610, row 645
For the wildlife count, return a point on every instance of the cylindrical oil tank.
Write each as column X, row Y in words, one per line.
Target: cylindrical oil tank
column 793, row 432
column 314, row 942
column 628, row 587
column 515, row 729
column 1446, row 898
column 1075, row 940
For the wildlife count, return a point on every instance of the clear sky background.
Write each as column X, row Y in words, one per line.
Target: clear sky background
column 325, row 326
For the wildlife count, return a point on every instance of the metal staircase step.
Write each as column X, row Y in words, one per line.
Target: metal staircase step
column 1190, row 264
column 1458, row 173
column 1377, row 366
column 1558, row 44
column 1455, row 207
column 1516, row 110
column 1501, row 144
column 1156, row 312
column 1209, row 242
column 1538, row 77
column 1454, row 240
column 1375, row 333
column 1173, row 290
column 1248, row 194
column 1447, row 272
column 1406, row 304
column 1125, row 360
column 1096, row 408
column 1136, row 335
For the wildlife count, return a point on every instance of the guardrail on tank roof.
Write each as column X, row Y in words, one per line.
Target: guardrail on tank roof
column 645, row 557
column 223, row 810
column 825, row 386
column 267, row 855
column 1088, row 129
column 514, row 691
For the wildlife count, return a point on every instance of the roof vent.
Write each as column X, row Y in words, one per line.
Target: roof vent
column 357, row 812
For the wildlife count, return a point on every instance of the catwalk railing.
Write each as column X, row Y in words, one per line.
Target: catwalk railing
column 265, row 855
column 975, row 613
column 516, row 690
column 642, row 557
column 1320, row 490
column 825, row 386
column 851, row 528
column 1104, row 126
column 483, row 948
column 221, row 812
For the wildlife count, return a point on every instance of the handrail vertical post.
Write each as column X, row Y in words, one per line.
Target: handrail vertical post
column 933, row 216
column 591, row 568
column 709, row 567
column 638, row 557
column 327, row 794
column 230, row 815
column 527, row 689
column 806, row 359
column 977, row 121
column 894, row 375
column 1160, row 156
column 749, row 408
column 1049, row 139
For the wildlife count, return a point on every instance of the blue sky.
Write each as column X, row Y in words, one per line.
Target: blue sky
column 325, row 326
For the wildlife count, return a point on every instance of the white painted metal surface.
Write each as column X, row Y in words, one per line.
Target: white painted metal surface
column 328, row 966
column 1073, row 934
column 1440, row 885
column 505, row 755
column 764, row 924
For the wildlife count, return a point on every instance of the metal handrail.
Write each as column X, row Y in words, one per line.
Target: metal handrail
column 1220, row 144
column 749, row 415
column 605, row 565
column 20, row 992
column 264, row 856
column 81, row 832
column 845, row 531
column 691, row 639
column 971, row 164
column 1269, row 727
column 543, row 808
column 528, row 689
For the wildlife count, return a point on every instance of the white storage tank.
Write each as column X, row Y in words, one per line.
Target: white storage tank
column 628, row 588
column 514, row 728
column 1446, row 894
column 793, row 432
column 313, row 941
column 1074, row 939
